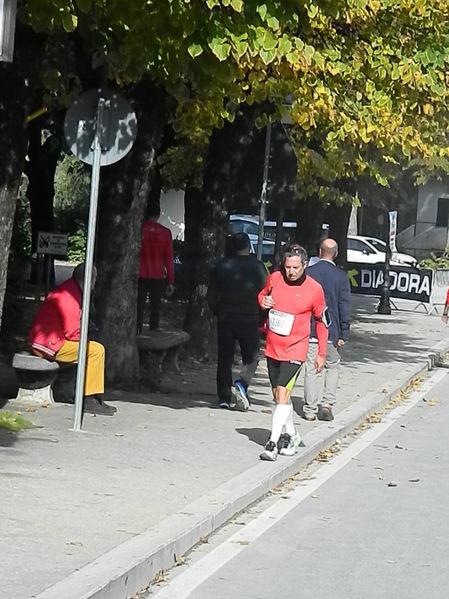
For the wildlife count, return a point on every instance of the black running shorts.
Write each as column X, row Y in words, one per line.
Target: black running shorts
column 283, row 374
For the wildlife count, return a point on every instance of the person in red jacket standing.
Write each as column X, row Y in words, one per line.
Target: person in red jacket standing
column 55, row 335
column 291, row 299
column 156, row 268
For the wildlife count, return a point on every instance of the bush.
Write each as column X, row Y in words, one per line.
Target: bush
column 76, row 246
column 434, row 261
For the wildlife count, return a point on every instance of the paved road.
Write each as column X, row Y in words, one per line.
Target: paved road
column 372, row 522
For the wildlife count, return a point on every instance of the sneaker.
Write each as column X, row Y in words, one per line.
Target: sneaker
column 241, row 398
column 270, row 453
column 281, row 441
column 310, row 416
column 291, row 444
column 225, row 404
column 93, row 405
column 325, row 413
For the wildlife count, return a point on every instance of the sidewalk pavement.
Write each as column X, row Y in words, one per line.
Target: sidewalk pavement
column 97, row 514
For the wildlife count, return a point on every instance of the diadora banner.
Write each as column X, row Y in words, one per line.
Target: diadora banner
column 406, row 283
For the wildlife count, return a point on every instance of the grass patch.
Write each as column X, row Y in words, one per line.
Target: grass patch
column 14, row 422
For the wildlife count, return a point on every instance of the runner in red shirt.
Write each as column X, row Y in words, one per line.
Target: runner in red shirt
column 291, row 298
column 156, row 268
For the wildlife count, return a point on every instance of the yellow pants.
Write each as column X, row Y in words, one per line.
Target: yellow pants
column 94, row 381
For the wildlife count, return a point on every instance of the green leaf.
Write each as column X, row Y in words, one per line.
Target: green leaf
column 273, row 22
column 237, row 5
column 262, row 10
column 284, row 45
column 268, row 55
column 241, row 48
column 319, row 59
column 84, row 5
column 308, row 51
column 269, row 41
column 220, row 48
column 195, row 50
column 69, row 22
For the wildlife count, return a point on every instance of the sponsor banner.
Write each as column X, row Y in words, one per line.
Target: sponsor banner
column 393, row 218
column 405, row 283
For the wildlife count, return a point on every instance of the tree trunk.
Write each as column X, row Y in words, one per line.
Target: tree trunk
column 338, row 219
column 206, row 217
column 124, row 193
column 43, row 158
column 15, row 90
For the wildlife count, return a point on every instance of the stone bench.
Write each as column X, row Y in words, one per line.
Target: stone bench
column 163, row 347
column 35, row 377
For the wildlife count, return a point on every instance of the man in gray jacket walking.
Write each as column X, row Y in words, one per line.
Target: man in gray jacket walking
column 337, row 292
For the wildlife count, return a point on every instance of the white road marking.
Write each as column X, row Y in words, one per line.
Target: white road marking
column 184, row 584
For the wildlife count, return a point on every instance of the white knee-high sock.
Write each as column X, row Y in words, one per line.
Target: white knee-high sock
column 279, row 419
column 289, row 426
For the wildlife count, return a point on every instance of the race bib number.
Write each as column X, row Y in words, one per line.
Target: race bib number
column 280, row 323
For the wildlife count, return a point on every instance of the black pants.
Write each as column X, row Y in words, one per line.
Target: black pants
column 154, row 288
column 247, row 335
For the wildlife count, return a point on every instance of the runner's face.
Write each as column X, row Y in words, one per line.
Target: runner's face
column 294, row 268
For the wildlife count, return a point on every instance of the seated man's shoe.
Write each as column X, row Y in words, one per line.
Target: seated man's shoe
column 325, row 413
column 94, row 405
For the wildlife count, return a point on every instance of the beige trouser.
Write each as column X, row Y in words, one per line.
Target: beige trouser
column 316, row 390
column 94, row 381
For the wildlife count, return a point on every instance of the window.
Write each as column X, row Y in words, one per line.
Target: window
column 442, row 212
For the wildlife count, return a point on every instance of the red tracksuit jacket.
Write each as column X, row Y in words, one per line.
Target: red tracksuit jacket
column 57, row 320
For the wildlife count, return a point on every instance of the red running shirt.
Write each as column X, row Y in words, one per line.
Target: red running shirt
column 156, row 254
column 302, row 301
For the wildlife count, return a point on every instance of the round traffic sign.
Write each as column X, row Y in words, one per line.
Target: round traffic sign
column 118, row 129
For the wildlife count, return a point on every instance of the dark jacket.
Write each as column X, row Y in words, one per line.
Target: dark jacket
column 234, row 285
column 337, row 292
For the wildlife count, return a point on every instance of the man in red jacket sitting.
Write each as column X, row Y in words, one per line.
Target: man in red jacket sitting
column 55, row 335
column 155, row 269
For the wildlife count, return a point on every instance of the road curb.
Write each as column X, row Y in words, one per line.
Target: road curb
column 129, row 567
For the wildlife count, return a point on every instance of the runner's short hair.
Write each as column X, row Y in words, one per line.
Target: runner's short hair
column 288, row 251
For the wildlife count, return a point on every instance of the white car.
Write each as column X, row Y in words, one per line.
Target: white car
column 370, row 250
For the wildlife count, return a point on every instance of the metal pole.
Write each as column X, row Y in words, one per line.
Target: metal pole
column 263, row 195
column 87, row 285
column 384, row 306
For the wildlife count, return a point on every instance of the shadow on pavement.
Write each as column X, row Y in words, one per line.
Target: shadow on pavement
column 259, row 436
column 7, row 439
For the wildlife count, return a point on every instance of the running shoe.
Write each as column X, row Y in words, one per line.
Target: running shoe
column 291, row 444
column 241, row 397
column 270, row 453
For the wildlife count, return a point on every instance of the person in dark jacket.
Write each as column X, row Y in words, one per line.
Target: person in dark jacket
column 337, row 292
column 232, row 297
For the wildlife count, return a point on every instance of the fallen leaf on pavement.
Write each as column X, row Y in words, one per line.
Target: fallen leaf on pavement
column 267, row 411
column 413, row 480
column 76, row 543
column 30, row 409
column 119, row 434
column 391, row 484
column 315, row 496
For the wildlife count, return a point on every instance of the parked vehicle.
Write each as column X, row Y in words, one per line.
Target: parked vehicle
column 371, row 250
column 249, row 224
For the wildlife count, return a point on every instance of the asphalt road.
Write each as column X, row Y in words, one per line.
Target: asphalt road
column 372, row 522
